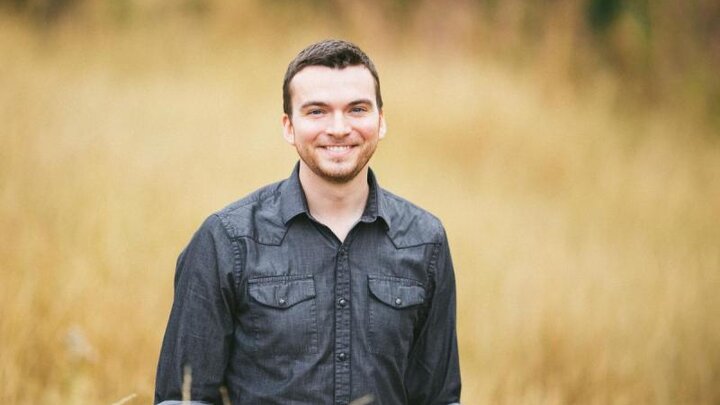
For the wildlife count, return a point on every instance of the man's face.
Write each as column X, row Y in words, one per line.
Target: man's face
column 335, row 124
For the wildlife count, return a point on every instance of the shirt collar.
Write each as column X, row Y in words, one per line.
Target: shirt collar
column 292, row 197
column 294, row 203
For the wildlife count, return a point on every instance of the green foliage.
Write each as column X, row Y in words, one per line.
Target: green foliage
column 655, row 50
column 601, row 14
column 40, row 10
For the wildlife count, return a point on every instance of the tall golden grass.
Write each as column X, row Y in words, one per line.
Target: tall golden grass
column 585, row 237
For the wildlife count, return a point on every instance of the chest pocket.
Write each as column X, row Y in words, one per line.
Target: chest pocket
column 393, row 313
column 283, row 314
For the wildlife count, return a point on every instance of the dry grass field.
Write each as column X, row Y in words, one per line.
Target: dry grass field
column 586, row 237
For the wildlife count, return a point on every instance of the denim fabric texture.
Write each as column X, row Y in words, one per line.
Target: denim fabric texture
column 272, row 305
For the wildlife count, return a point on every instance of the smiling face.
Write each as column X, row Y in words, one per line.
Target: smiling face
column 335, row 124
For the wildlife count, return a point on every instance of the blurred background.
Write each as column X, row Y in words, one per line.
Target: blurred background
column 572, row 149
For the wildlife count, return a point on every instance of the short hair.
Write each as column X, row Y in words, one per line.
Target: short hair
column 333, row 53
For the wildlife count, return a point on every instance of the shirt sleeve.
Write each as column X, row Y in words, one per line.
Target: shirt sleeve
column 433, row 374
column 200, row 328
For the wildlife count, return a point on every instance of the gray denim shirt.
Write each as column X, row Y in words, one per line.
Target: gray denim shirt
column 271, row 305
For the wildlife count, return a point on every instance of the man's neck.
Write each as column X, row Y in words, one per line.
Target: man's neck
column 337, row 205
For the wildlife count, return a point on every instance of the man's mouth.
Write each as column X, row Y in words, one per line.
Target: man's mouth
column 338, row 148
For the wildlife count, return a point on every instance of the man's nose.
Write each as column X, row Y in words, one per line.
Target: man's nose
column 339, row 125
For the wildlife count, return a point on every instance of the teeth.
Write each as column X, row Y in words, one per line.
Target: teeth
column 337, row 148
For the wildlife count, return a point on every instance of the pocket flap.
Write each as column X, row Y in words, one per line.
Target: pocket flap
column 283, row 291
column 396, row 292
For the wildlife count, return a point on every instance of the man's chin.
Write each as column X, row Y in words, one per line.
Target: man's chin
column 334, row 172
column 338, row 176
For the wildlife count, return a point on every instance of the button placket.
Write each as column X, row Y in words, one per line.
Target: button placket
column 342, row 327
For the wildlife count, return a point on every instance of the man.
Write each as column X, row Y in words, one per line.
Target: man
column 323, row 288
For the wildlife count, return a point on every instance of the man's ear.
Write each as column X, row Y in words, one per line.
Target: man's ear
column 383, row 126
column 288, row 130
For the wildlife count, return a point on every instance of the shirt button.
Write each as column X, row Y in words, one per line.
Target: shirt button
column 282, row 302
column 398, row 301
column 342, row 356
column 342, row 302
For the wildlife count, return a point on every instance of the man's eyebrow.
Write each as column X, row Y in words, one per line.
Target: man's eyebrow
column 361, row 101
column 313, row 104
column 323, row 104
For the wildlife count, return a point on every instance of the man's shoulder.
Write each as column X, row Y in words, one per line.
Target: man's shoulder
column 410, row 224
column 255, row 216
column 256, row 199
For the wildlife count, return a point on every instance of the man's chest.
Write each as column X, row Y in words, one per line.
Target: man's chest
column 310, row 293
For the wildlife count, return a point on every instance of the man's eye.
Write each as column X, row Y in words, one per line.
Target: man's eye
column 315, row 112
column 358, row 109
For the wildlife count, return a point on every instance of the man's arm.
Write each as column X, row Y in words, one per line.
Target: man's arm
column 200, row 329
column 433, row 374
